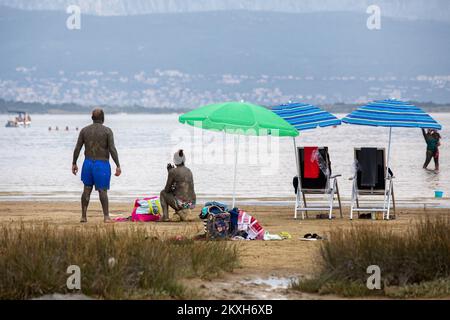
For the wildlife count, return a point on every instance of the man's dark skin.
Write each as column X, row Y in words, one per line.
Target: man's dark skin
column 98, row 142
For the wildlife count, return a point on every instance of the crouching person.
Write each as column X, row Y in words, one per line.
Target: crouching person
column 179, row 191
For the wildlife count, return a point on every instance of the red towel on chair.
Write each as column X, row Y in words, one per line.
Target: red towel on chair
column 311, row 165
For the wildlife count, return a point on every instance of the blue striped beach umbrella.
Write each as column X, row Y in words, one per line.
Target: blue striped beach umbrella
column 303, row 117
column 391, row 113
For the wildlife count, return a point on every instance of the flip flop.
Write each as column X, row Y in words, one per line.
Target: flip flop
column 308, row 237
column 312, row 237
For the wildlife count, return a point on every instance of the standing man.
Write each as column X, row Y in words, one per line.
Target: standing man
column 98, row 144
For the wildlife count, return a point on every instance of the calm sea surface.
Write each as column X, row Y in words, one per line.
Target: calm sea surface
column 36, row 163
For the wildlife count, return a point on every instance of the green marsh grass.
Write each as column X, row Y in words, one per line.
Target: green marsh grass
column 413, row 262
column 34, row 261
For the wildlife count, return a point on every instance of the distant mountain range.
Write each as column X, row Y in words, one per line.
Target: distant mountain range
column 181, row 60
column 236, row 42
column 437, row 10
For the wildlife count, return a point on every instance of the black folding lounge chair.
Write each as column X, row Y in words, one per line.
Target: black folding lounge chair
column 325, row 184
column 371, row 179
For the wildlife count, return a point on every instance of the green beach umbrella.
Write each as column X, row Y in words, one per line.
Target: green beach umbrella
column 239, row 118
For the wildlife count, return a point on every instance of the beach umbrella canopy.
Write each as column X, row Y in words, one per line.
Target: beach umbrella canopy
column 238, row 118
column 305, row 116
column 391, row 113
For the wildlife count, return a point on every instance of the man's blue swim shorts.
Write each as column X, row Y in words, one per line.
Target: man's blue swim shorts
column 96, row 172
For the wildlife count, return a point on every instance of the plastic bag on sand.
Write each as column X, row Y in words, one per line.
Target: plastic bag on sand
column 268, row 236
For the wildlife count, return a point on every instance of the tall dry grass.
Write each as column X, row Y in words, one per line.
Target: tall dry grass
column 34, row 260
column 409, row 260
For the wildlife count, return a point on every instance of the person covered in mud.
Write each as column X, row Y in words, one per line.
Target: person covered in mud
column 433, row 140
column 98, row 141
column 179, row 191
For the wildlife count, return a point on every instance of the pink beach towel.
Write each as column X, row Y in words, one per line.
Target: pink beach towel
column 121, row 219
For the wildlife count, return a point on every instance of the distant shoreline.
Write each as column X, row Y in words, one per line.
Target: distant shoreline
column 76, row 113
column 72, row 108
column 263, row 201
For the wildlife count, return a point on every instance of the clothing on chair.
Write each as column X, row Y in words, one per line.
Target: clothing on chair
column 311, row 163
column 295, row 184
column 368, row 167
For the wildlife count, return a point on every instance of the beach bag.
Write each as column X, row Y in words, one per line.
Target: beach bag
column 234, row 217
column 210, row 208
column 248, row 224
column 147, row 209
column 218, row 226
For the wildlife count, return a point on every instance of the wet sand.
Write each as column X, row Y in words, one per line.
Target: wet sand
column 258, row 259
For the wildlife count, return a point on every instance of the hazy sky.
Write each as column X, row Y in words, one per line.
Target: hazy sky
column 411, row 9
column 171, row 60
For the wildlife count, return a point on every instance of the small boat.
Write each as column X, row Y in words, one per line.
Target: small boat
column 23, row 119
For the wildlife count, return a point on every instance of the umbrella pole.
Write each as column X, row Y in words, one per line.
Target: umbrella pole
column 236, row 148
column 296, row 156
column 389, row 152
column 299, row 186
column 387, row 196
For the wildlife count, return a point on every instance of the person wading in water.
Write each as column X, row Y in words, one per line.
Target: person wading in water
column 98, row 141
column 432, row 138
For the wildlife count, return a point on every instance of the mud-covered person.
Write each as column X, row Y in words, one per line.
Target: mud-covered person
column 179, row 193
column 433, row 141
column 98, row 141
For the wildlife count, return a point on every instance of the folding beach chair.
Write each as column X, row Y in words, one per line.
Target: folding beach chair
column 320, row 181
column 372, row 178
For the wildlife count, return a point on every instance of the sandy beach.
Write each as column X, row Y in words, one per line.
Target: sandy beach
column 265, row 266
